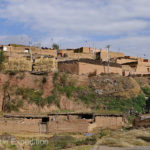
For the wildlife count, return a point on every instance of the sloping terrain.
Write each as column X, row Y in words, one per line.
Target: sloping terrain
column 23, row 92
column 115, row 85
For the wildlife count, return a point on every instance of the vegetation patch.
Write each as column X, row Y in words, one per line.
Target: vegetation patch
column 35, row 96
column 64, row 142
column 126, row 138
column 87, row 95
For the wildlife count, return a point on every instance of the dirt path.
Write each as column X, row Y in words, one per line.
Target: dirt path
column 116, row 148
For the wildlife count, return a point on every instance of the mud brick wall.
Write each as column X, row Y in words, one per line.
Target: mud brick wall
column 70, row 126
column 11, row 51
column 19, row 125
column 112, row 55
column 58, row 118
column 85, row 68
column 141, row 123
column 110, row 122
column 116, row 54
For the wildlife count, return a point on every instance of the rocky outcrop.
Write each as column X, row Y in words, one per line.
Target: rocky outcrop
column 115, row 85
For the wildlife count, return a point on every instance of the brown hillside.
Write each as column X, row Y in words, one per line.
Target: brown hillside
column 115, row 85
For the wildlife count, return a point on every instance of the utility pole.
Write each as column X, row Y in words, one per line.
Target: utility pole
column 108, row 58
column 30, row 50
column 51, row 42
column 86, row 43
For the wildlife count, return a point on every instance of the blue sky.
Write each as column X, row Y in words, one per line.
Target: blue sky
column 124, row 24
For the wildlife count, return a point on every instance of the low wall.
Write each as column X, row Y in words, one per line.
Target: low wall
column 72, row 126
column 80, row 68
column 35, row 50
column 60, row 124
column 139, row 122
column 85, row 68
column 109, row 122
column 19, row 125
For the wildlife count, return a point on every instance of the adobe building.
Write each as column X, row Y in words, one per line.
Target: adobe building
column 104, row 55
column 26, row 51
column 59, row 123
column 88, row 66
column 26, row 58
column 83, row 50
column 138, row 67
column 126, row 59
column 142, row 121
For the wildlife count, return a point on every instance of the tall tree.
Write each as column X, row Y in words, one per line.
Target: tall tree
column 55, row 46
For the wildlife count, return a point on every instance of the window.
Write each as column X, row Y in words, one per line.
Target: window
column 45, row 120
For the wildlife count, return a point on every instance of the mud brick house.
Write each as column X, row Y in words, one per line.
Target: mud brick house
column 103, row 55
column 59, row 123
column 138, row 67
column 126, row 59
column 16, row 51
column 88, row 66
column 83, row 50
column 142, row 121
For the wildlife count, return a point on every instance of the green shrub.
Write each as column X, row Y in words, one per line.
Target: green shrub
column 10, row 146
column 49, row 146
column 44, row 80
column 87, row 96
column 88, row 141
column 63, row 79
column 146, row 91
column 33, row 96
column 104, row 132
column 6, row 85
column 13, row 105
column 19, row 91
column 12, row 72
column 9, row 106
column 63, row 142
column 68, row 90
column 55, row 77
column 123, row 105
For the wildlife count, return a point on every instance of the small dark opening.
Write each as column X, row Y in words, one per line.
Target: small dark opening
column 45, row 120
column 86, row 116
column 98, row 56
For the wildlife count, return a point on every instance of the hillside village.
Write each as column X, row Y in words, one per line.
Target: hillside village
column 55, row 91
column 80, row 61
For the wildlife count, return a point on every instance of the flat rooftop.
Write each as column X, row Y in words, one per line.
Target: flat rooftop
column 91, row 61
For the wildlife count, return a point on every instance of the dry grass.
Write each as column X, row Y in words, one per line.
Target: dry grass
column 45, row 64
column 30, row 135
column 20, row 64
column 128, row 138
column 84, row 147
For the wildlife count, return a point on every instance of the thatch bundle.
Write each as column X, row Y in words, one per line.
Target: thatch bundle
column 18, row 64
column 45, row 64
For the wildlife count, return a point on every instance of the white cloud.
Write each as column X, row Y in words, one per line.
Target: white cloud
column 79, row 16
column 71, row 22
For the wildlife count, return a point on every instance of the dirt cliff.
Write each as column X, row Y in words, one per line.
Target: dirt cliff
column 24, row 92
